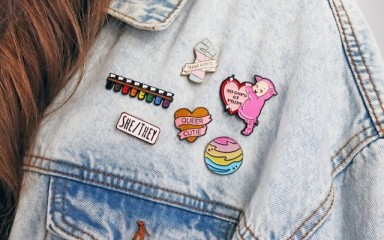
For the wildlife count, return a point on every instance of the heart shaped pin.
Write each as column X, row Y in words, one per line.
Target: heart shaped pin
column 192, row 124
column 233, row 94
column 247, row 99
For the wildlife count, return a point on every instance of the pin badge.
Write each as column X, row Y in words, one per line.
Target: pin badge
column 192, row 124
column 140, row 90
column 138, row 128
column 204, row 62
column 142, row 232
column 247, row 99
column 223, row 156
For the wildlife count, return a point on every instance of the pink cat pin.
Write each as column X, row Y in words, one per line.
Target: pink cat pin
column 247, row 99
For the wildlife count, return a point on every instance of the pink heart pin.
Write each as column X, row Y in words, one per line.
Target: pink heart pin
column 233, row 94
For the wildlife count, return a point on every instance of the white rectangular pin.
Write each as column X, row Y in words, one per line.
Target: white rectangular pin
column 138, row 128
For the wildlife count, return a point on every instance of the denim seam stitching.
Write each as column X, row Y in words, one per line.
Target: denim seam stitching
column 136, row 23
column 330, row 193
column 230, row 218
column 63, row 217
column 239, row 233
column 350, row 153
column 323, row 217
column 53, row 199
column 135, row 182
column 348, row 142
column 355, row 68
column 344, row 157
column 248, row 228
column 364, row 62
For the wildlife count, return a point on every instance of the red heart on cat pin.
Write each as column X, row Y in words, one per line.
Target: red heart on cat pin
column 233, row 94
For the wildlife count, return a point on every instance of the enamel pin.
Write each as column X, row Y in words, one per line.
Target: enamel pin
column 204, row 62
column 140, row 90
column 247, row 99
column 223, row 156
column 138, row 128
column 142, row 232
column 192, row 124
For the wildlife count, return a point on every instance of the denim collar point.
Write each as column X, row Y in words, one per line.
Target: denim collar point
column 154, row 15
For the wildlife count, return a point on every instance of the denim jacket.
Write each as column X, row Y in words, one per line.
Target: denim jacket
column 311, row 169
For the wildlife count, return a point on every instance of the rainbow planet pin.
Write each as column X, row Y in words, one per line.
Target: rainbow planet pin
column 223, row 156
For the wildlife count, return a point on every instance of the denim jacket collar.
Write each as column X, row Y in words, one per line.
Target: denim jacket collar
column 151, row 15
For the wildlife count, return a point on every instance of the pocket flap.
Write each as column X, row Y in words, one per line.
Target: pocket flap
column 78, row 210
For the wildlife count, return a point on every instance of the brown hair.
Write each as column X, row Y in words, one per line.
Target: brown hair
column 42, row 45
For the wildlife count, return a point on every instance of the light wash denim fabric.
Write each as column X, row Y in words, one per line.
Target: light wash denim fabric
column 313, row 167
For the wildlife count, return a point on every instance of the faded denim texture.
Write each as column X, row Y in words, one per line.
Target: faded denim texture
column 312, row 169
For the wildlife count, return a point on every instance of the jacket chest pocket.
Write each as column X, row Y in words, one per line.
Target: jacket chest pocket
column 78, row 210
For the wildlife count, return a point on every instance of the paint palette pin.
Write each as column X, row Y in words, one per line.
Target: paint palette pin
column 192, row 124
column 204, row 62
column 246, row 99
column 140, row 90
